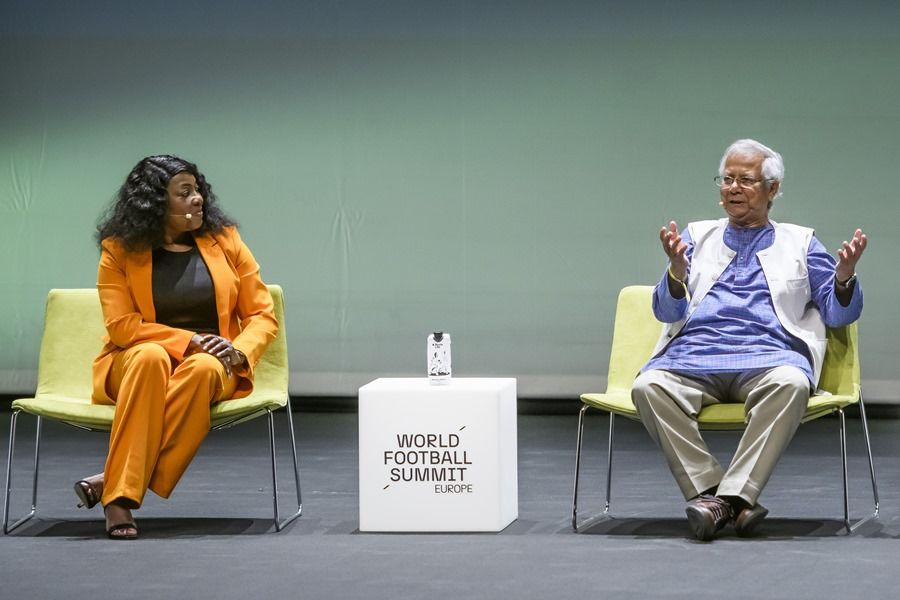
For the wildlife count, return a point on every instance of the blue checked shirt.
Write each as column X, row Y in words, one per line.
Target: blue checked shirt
column 735, row 328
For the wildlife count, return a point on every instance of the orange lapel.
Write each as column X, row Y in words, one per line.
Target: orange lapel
column 222, row 278
column 140, row 280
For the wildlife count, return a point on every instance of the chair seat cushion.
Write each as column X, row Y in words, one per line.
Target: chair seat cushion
column 80, row 412
column 725, row 416
column 74, row 411
column 232, row 412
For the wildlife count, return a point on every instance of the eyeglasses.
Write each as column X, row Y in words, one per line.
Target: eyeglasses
column 726, row 181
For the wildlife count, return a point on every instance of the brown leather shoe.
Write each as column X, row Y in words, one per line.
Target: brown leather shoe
column 707, row 515
column 747, row 519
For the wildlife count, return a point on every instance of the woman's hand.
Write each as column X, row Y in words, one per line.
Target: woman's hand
column 194, row 345
column 219, row 347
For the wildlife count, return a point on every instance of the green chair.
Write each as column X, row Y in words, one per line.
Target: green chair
column 73, row 326
column 634, row 338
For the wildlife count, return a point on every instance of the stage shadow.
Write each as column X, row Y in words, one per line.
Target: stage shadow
column 770, row 528
column 150, row 528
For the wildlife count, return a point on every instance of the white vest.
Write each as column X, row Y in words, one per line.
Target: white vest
column 784, row 266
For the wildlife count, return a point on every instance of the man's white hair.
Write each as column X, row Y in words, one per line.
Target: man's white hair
column 772, row 166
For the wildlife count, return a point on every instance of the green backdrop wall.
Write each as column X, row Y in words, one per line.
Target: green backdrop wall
column 497, row 170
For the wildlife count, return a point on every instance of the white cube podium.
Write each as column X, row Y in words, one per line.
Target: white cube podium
column 438, row 457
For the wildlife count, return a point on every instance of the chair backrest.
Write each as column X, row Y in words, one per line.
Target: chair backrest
column 272, row 370
column 72, row 339
column 840, row 371
column 636, row 332
column 73, row 328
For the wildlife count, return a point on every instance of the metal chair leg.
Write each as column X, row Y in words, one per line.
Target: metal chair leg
column 578, row 439
column 843, row 436
column 609, row 458
column 279, row 524
column 290, row 419
column 865, row 426
column 578, row 445
column 9, row 462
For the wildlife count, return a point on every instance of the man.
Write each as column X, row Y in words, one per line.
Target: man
column 747, row 301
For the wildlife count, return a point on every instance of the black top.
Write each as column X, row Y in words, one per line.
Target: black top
column 183, row 292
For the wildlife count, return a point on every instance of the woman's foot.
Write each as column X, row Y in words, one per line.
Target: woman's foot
column 89, row 490
column 119, row 522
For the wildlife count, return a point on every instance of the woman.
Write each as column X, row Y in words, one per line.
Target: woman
column 187, row 318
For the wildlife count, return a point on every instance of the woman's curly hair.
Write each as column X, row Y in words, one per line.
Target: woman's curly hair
column 137, row 215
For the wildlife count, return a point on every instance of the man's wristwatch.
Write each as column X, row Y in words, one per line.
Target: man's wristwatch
column 846, row 283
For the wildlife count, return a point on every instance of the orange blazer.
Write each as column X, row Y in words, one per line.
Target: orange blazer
column 244, row 305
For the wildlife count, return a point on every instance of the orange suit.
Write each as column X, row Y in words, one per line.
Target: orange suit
column 162, row 397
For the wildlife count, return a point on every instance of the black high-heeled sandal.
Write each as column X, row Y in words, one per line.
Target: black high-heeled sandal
column 125, row 529
column 122, row 531
column 89, row 491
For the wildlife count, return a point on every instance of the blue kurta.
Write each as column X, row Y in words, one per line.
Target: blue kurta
column 735, row 328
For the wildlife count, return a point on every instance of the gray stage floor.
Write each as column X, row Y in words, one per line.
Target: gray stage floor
column 214, row 539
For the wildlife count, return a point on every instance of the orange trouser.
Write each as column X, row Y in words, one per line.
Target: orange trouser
column 162, row 416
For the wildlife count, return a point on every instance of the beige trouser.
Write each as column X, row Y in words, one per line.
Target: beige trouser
column 774, row 403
